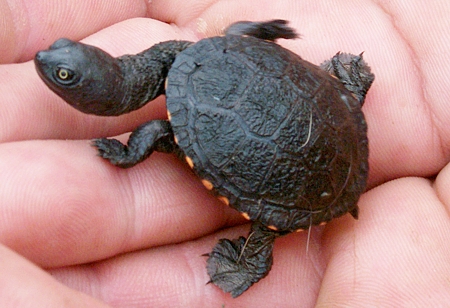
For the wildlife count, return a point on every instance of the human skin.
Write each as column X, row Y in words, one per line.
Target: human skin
column 79, row 232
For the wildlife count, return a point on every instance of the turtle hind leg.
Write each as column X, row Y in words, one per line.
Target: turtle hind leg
column 268, row 30
column 236, row 265
column 352, row 71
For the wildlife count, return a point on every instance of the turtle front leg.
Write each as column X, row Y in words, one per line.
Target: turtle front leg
column 236, row 265
column 152, row 136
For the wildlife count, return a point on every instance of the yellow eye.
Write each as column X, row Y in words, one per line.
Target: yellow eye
column 63, row 74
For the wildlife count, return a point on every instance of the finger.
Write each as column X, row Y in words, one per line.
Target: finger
column 32, row 25
column 175, row 272
column 395, row 255
column 179, row 12
column 441, row 185
column 175, row 276
column 29, row 110
column 393, row 153
column 22, row 283
column 63, row 205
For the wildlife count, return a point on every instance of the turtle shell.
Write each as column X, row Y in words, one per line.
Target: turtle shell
column 279, row 139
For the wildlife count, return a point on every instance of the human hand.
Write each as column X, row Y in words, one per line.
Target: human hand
column 134, row 237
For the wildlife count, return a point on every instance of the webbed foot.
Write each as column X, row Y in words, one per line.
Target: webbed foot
column 236, row 265
column 352, row 71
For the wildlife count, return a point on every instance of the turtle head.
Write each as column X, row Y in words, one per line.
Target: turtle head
column 85, row 76
column 94, row 82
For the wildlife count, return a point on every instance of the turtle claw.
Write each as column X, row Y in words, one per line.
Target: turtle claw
column 110, row 149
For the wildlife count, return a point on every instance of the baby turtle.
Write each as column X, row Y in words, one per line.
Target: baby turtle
column 279, row 139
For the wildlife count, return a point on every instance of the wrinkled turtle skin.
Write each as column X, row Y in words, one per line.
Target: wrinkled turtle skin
column 281, row 140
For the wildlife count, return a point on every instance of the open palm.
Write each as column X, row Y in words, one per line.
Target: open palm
column 134, row 238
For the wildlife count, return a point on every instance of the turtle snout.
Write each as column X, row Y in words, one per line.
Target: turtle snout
column 39, row 57
column 40, row 60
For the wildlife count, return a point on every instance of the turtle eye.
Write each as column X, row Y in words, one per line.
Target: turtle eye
column 64, row 75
